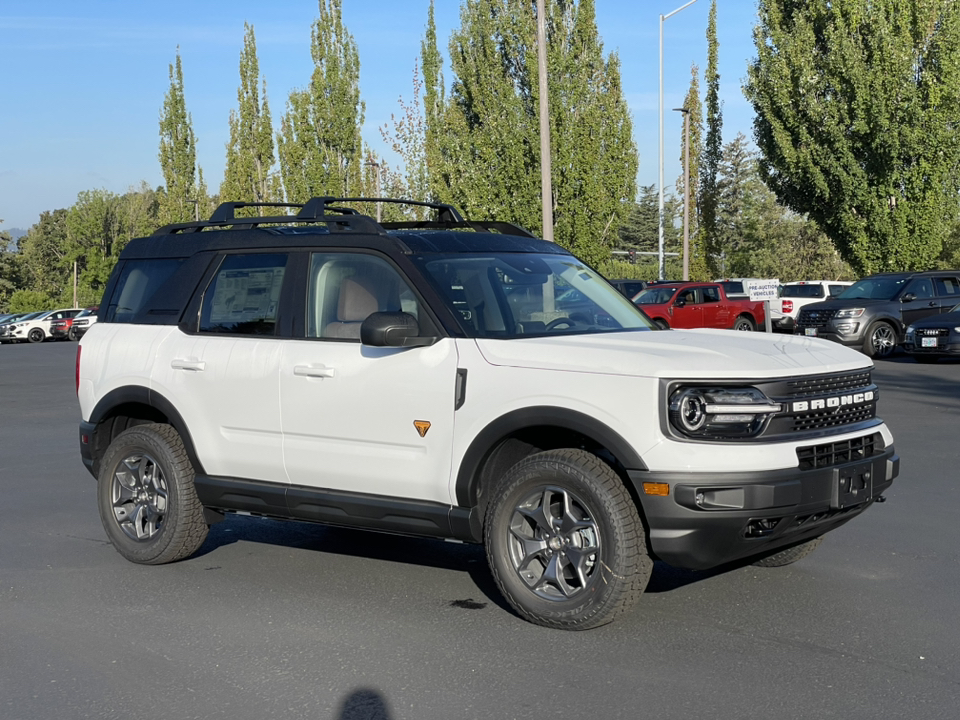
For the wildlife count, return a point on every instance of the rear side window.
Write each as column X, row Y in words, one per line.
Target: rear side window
column 244, row 295
column 138, row 282
column 802, row 291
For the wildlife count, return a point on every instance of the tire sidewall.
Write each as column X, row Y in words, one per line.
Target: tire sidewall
column 743, row 324
column 135, row 440
column 36, row 335
column 605, row 584
column 870, row 349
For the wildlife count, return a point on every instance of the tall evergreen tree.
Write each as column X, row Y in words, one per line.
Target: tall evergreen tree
column 250, row 153
column 178, row 154
column 489, row 154
column 319, row 144
column 712, row 149
column 434, row 101
column 856, row 106
column 699, row 269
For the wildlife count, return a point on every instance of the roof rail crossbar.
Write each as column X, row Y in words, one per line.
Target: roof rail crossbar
column 503, row 228
column 226, row 211
column 445, row 213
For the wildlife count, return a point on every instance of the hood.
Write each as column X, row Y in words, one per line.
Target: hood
column 703, row 353
column 950, row 319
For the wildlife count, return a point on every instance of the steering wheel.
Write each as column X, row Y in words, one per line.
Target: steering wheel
column 557, row 322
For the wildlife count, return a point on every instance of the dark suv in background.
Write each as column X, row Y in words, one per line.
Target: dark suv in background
column 874, row 312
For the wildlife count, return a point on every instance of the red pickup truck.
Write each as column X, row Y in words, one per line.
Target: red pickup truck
column 696, row 305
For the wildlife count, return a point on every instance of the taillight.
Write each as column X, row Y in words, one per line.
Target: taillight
column 78, row 368
column 787, row 306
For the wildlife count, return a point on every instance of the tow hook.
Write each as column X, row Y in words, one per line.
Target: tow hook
column 881, row 499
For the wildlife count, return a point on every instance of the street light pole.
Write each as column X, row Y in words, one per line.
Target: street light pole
column 661, row 224
column 376, row 165
column 686, row 191
column 546, row 187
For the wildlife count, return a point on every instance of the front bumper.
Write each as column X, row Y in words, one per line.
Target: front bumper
column 709, row 519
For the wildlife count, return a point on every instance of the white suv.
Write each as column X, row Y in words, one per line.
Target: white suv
column 441, row 379
column 37, row 328
column 794, row 295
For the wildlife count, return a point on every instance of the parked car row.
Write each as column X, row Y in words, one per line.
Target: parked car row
column 66, row 323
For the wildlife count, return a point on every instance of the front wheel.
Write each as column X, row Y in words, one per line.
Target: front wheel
column 744, row 324
column 880, row 341
column 564, row 541
column 661, row 324
column 148, row 502
column 36, row 335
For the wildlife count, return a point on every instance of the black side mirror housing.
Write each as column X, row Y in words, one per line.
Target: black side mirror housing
column 393, row 329
column 908, row 297
column 680, row 302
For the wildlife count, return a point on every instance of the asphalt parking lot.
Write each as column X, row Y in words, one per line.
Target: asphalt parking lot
column 290, row 620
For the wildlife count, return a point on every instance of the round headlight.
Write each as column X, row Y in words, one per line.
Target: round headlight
column 691, row 410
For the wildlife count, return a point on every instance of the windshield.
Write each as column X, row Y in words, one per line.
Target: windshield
column 874, row 288
column 655, row 296
column 507, row 295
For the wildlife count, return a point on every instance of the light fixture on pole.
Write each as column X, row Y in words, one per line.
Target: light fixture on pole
column 660, row 245
column 686, row 191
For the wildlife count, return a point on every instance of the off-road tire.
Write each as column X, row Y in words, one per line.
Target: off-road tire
column 563, row 584
column 36, row 335
column 147, row 499
column 789, row 555
column 744, row 324
column 72, row 335
column 880, row 340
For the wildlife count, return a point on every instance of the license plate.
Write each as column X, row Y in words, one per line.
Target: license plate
column 928, row 342
column 852, row 485
column 810, row 331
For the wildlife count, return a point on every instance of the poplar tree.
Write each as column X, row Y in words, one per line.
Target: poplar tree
column 712, row 149
column 178, row 155
column 319, row 144
column 250, row 153
column 486, row 159
column 856, row 108
column 699, row 269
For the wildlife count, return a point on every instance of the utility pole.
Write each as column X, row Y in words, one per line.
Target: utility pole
column 376, row 165
column 546, row 188
column 686, row 191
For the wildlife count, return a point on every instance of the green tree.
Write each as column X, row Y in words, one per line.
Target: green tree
column 178, row 155
column 9, row 269
column 319, row 144
column 488, row 157
column 250, row 154
column 43, row 257
column 856, row 105
column 712, row 150
column 699, row 269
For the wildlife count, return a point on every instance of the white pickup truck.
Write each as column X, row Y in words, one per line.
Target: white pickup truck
column 794, row 295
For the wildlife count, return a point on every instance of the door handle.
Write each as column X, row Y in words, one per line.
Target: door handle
column 188, row 364
column 314, row 371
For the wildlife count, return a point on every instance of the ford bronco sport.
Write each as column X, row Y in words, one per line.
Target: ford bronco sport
column 459, row 380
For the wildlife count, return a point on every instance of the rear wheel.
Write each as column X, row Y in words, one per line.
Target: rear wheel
column 789, row 555
column 880, row 341
column 744, row 323
column 564, row 541
column 148, row 503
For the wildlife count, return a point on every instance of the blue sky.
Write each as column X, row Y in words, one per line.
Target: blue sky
column 83, row 82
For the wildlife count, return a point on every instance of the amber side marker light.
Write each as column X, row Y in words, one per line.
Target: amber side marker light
column 662, row 489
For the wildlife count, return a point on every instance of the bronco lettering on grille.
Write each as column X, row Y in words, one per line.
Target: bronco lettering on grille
column 833, row 402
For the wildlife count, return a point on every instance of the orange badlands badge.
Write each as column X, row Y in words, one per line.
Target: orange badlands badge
column 422, row 426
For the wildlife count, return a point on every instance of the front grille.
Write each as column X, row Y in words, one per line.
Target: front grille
column 812, row 457
column 834, row 417
column 933, row 332
column 825, row 384
column 815, row 318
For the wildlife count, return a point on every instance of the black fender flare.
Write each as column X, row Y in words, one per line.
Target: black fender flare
column 140, row 395
column 529, row 417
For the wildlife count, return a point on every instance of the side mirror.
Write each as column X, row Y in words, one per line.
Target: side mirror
column 392, row 329
column 909, row 297
column 680, row 302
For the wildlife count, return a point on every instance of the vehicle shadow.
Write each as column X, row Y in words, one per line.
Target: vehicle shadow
column 426, row 552
column 364, row 704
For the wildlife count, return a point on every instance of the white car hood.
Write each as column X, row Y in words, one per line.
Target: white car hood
column 715, row 354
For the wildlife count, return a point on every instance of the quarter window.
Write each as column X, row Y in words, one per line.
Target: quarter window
column 244, row 296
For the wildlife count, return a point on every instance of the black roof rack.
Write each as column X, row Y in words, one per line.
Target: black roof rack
column 324, row 210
